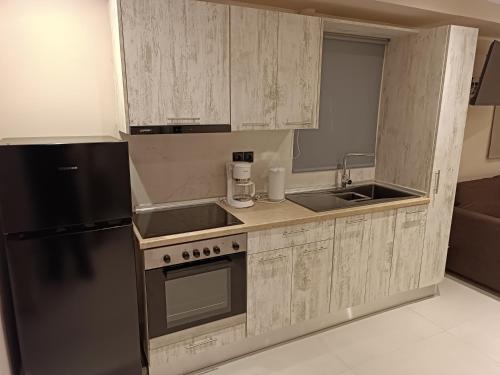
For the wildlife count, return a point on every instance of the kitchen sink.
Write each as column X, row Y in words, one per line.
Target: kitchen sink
column 327, row 200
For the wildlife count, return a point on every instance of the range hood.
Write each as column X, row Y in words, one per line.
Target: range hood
column 178, row 129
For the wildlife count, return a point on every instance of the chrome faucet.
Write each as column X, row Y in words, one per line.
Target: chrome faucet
column 346, row 175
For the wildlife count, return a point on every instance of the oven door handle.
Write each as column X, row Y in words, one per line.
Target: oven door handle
column 194, row 269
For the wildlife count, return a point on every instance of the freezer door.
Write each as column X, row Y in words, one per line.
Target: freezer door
column 75, row 302
column 59, row 185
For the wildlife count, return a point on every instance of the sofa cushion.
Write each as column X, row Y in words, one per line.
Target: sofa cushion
column 483, row 190
column 490, row 208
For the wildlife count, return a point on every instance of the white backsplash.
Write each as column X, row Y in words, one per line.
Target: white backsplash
column 170, row 168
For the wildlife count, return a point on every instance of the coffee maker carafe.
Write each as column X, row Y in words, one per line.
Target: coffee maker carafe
column 240, row 187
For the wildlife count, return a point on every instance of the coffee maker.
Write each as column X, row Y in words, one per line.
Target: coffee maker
column 240, row 187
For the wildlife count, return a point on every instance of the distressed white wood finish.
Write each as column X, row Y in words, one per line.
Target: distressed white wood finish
column 350, row 261
column 382, row 230
column 196, row 345
column 269, row 277
column 407, row 251
column 278, row 238
column 359, row 28
column 311, row 280
column 409, row 108
column 176, row 61
column 254, row 64
column 452, row 118
column 300, row 41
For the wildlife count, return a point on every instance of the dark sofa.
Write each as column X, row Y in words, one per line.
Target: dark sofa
column 474, row 251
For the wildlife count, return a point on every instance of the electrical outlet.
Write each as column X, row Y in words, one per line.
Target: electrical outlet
column 248, row 156
column 238, row 156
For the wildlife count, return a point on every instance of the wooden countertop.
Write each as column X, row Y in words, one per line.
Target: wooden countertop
column 266, row 215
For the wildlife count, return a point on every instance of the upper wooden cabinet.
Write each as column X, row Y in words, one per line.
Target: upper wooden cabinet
column 300, row 40
column 175, row 56
column 254, row 68
column 275, row 69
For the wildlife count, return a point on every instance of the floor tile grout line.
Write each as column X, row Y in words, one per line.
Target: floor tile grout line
column 474, row 347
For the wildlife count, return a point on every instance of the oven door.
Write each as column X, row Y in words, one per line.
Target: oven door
column 188, row 295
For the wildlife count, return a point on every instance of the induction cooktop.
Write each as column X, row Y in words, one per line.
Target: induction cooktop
column 183, row 219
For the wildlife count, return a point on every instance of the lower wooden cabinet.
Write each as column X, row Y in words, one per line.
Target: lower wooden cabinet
column 196, row 345
column 350, row 261
column 381, row 239
column 311, row 280
column 408, row 247
column 269, row 276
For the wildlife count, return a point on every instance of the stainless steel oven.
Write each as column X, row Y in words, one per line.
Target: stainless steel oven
column 195, row 283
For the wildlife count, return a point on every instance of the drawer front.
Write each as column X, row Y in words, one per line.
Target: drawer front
column 294, row 235
column 196, row 345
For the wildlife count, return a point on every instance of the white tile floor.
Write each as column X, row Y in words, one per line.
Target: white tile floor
column 455, row 333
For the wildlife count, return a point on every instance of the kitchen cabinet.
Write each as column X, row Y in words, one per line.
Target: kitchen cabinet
column 300, row 40
column 311, row 280
column 269, row 276
column 407, row 250
column 193, row 346
column 254, row 65
column 381, row 243
column 448, row 148
column 275, row 69
column 175, row 57
column 422, row 124
column 350, row 261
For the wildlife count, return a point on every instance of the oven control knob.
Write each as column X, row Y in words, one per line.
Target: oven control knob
column 236, row 246
column 196, row 253
column 216, row 249
column 206, row 251
column 185, row 255
column 167, row 259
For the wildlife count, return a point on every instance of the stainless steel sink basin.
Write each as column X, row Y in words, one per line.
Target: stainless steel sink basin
column 327, row 200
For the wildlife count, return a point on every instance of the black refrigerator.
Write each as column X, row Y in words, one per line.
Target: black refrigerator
column 65, row 215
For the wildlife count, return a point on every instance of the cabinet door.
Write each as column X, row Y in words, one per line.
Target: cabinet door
column 254, row 64
column 176, row 55
column 450, row 133
column 408, row 246
column 300, row 40
column 350, row 259
column 269, row 291
column 311, row 280
column 380, row 255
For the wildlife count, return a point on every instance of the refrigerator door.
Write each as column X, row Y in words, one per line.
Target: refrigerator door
column 59, row 185
column 75, row 301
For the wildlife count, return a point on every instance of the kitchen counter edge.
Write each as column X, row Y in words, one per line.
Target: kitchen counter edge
column 265, row 215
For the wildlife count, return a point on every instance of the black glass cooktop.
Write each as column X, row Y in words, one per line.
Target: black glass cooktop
column 183, row 219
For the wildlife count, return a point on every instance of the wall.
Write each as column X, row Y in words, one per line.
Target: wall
column 474, row 162
column 192, row 166
column 55, row 68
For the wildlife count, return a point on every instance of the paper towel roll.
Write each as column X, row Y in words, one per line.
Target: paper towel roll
column 276, row 184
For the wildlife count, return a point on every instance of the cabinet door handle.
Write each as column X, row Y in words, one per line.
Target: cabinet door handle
column 437, row 181
column 298, row 123
column 316, row 250
column 264, row 260
column 294, row 232
column 207, row 341
column 185, row 119
column 356, row 221
column 262, row 124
